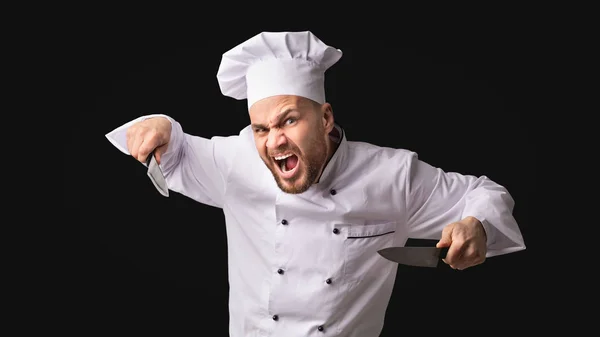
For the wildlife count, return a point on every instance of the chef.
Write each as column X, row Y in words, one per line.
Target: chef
column 306, row 209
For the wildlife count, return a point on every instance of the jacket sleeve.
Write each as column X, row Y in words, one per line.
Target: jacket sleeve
column 193, row 166
column 436, row 198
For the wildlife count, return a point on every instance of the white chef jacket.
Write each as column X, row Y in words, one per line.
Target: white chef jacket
column 307, row 264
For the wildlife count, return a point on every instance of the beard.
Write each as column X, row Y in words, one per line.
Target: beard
column 310, row 162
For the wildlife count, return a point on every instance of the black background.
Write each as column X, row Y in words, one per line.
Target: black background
column 149, row 265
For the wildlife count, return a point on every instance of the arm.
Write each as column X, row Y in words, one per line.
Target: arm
column 437, row 199
column 193, row 166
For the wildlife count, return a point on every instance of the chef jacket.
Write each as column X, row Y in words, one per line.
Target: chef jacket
column 307, row 264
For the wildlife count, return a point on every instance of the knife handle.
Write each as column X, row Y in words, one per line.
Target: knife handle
column 442, row 253
column 149, row 158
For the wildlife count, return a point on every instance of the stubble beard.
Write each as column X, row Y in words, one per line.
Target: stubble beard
column 313, row 161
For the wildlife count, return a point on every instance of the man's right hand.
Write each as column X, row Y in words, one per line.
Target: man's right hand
column 152, row 134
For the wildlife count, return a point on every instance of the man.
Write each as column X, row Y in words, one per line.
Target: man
column 307, row 210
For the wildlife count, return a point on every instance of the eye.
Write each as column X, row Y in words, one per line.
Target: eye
column 290, row 121
column 259, row 130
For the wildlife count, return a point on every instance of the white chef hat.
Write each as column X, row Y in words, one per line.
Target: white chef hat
column 277, row 63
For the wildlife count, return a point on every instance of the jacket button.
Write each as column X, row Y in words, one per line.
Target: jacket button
column 333, row 192
column 280, row 271
column 320, row 328
column 284, row 222
column 275, row 317
column 328, row 281
column 336, row 231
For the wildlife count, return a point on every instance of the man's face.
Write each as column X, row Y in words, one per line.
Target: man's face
column 291, row 135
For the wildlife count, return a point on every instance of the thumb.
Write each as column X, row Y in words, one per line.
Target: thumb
column 446, row 239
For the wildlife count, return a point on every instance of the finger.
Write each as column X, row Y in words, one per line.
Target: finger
column 146, row 148
column 475, row 256
column 149, row 143
column 446, row 239
column 158, row 152
column 137, row 142
column 455, row 253
column 463, row 258
column 471, row 256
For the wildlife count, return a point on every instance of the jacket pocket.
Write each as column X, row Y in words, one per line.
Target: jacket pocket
column 361, row 259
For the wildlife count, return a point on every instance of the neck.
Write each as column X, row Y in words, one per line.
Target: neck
column 332, row 146
column 333, row 141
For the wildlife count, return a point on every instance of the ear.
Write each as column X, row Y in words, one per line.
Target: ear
column 328, row 120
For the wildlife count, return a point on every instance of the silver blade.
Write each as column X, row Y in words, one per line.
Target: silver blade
column 156, row 176
column 414, row 256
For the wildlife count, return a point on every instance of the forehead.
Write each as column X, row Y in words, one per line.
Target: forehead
column 270, row 107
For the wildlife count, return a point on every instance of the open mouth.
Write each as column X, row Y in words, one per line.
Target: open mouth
column 287, row 164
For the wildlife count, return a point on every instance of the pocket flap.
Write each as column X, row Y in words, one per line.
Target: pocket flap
column 367, row 231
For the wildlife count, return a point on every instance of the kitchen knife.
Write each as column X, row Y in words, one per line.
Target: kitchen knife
column 415, row 256
column 156, row 175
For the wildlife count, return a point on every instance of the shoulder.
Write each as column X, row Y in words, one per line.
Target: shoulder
column 235, row 141
column 240, row 146
column 377, row 154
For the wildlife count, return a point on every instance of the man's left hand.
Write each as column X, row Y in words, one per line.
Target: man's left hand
column 466, row 240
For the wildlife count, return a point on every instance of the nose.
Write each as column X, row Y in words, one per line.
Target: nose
column 275, row 139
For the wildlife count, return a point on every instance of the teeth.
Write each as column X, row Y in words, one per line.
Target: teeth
column 283, row 157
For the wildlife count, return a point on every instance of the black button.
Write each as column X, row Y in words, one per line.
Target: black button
column 275, row 317
column 336, row 231
column 320, row 328
column 333, row 192
column 284, row 222
column 280, row 271
column 328, row 281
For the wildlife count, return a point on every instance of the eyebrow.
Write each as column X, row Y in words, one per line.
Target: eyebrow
column 279, row 117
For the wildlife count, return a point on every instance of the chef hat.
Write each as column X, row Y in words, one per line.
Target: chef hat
column 280, row 63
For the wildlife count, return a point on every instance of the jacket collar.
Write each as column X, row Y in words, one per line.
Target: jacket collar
column 338, row 161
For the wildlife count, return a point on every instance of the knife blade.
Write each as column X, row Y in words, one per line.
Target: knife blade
column 156, row 175
column 415, row 256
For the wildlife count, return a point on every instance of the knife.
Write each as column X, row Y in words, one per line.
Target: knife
column 415, row 256
column 156, row 175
